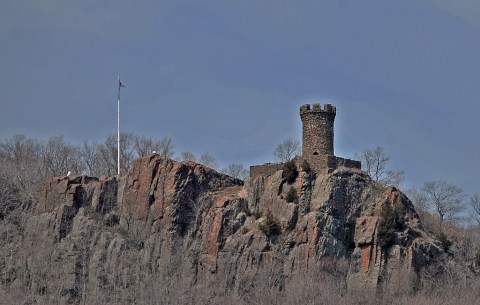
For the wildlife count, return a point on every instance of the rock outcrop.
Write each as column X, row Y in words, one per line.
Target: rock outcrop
column 187, row 223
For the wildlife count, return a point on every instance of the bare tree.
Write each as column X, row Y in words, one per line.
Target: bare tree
column 166, row 148
column 108, row 152
column 24, row 157
column 236, row 170
column 375, row 161
column 444, row 199
column 61, row 157
column 127, row 150
column 144, row 146
column 9, row 198
column 101, row 159
column 286, row 150
column 419, row 200
column 188, row 156
column 417, row 197
column 93, row 160
column 208, row 160
column 475, row 203
column 12, row 193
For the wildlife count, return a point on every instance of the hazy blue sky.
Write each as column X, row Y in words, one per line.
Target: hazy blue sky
column 228, row 77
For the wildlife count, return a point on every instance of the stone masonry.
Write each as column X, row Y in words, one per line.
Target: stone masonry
column 317, row 143
column 317, row 129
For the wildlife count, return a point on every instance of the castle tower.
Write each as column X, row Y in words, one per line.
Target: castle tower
column 317, row 144
column 317, row 129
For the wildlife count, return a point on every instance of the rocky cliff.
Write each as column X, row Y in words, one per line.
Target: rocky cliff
column 167, row 225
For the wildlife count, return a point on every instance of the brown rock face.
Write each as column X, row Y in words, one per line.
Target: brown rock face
column 164, row 193
column 77, row 191
column 371, row 264
column 186, row 222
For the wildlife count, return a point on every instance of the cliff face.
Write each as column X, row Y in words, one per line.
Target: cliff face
column 191, row 226
column 338, row 216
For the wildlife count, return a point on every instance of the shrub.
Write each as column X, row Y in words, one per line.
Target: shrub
column 399, row 216
column 257, row 214
column 246, row 210
column 245, row 230
column 122, row 231
column 446, row 243
column 292, row 195
column 306, row 166
column 391, row 220
column 270, row 225
column 477, row 257
column 290, row 172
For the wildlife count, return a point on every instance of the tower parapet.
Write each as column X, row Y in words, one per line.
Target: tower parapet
column 317, row 129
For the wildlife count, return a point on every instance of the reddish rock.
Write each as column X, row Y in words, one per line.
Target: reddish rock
column 187, row 220
column 65, row 190
column 365, row 258
column 365, row 228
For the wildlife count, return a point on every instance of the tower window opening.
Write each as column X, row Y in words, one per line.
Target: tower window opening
column 315, row 153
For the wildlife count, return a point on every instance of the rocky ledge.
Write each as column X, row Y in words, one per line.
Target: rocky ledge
column 185, row 221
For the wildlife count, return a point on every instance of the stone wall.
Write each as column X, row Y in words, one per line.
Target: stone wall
column 349, row 163
column 328, row 163
column 318, row 163
column 266, row 169
column 317, row 129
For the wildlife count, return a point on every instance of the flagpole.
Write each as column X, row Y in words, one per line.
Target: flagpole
column 118, row 127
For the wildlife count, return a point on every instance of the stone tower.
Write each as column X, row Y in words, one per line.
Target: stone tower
column 317, row 144
column 317, row 129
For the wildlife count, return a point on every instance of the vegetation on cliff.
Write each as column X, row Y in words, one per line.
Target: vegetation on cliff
column 290, row 172
column 137, row 239
column 391, row 220
column 270, row 226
